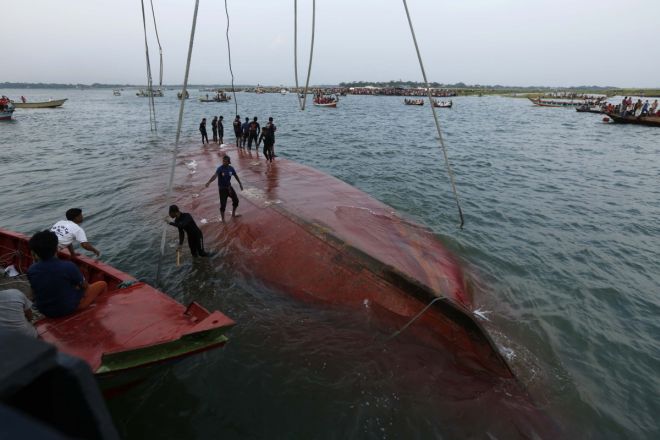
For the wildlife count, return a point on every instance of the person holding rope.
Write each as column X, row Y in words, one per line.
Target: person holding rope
column 223, row 174
column 186, row 225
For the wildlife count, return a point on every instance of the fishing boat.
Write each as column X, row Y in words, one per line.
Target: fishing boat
column 219, row 97
column 413, row 101
column 179, row 95
column 442, row 104
column 585, row 108
column 558, row 102
column 130, row 330
column 325, row 101
column 6, row 108
column 312, row 236
column 51, row 103
column 640, row 120
column 146, row 93
column 116, row 92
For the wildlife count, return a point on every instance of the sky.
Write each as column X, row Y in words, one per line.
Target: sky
column 556, row 43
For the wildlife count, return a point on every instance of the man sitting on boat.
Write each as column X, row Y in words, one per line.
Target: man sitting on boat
column 16, row 313
column 187, row 225
column 69, row 230
column 58, row 286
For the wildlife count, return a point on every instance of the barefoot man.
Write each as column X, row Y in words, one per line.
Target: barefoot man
column 223, row 174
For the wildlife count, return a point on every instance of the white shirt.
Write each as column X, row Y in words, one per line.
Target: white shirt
column 13, row 305
column 68, row 232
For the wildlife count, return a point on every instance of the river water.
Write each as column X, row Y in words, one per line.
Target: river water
column 561, row 238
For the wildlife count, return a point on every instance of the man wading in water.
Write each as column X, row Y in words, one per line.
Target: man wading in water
column 187, row 225
column 223, row 174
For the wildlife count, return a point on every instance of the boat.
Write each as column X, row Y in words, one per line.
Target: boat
column 284, row 92
column 558, row 102
column 325, row 101
column 179, row 94
column 130, row 330
column 442, row 104
column 413, row 101
column 309, row 235
column 653, row 121
column 585, row 108
column 146, row 93
column 116, row 92
column 6, row 108
column 219, row 97
column 51, row 103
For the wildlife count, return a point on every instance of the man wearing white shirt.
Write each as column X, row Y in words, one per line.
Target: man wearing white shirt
column 68, row 231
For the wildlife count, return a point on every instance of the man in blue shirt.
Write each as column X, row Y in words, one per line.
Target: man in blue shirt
column 58, row 286
column 223, row 174
column 246, row 130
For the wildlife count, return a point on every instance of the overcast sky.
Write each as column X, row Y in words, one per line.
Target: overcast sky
column 506, row 42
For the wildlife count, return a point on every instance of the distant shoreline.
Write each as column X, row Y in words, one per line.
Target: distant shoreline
column 460, row 89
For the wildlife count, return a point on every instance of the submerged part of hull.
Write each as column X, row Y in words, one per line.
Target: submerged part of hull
column 315, row 237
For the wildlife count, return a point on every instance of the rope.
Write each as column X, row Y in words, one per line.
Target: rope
column 160, row 49
column 178, row 136
column 303, row 100
column 229, row 54
column 435, row 117
column 409, row 323
column 152, row 104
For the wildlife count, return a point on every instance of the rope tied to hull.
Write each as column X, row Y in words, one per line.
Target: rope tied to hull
column 178, row 137
column 302, row 101
column 435, row 116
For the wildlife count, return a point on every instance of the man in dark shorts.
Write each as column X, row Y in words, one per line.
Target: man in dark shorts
column 273, row 129
column 214, row 128
column 202, row 129
column 221, row 130
column 237, row 130
column 245, row 128
column 253, row 133
column 223, row 174
column 187, row 225
column 267, row 135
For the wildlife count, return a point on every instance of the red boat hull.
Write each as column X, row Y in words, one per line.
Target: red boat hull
column 318, row 238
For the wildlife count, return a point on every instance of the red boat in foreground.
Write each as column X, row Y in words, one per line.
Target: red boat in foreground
column 128, row 330
column 317, row 238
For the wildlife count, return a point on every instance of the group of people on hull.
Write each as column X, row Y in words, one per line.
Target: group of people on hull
column 58, row 287
column 627, row 108
column 245, row 132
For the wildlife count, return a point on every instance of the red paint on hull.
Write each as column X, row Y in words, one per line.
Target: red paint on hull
column 316, row 237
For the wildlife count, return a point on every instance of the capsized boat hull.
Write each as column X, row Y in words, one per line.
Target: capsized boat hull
column 128, row 330
column 317, row 238
column 44, row 104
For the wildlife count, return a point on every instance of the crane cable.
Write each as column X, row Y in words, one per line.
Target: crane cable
column 152, row 104
column 302, row 100
column 178, row 136
column 160, row 48
column 233, row 91
column 435, row 117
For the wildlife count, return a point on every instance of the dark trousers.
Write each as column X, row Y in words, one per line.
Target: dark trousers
column 252, row 137
column 196, row 244
column 205, row 136
column 268, row 150
column 224, row 194
column 215, row 135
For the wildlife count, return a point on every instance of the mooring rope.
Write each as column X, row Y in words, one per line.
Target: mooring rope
column 414, row 318
column 152, row 104
column 233, row 91
column 178, row 136
column 303, row 100
column 160, row 48
column 435, row 117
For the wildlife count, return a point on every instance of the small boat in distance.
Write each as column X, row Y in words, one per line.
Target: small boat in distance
column 129, row 330
column 51, row 103
column 413, row 101
column 564, row 102
column 284, row 92
column 145, row 93
column 179, row 95
column 442, row 104
column 585, row 108
column 653, row 121
column 325, row 100
column 219, row 97
column 6, row 108
column 116, row 92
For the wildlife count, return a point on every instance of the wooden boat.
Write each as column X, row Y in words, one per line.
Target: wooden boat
column 51, row 103
column 546, row 102
column 129, row 330
column 116, row 92
column 216, row 98
column 6, row 108
column 142, row 93
column 640, row 120
column 589, row 109
column 310, row 235
column 179, row 95
column 325, row 101
column 413, row 101
column 443, row 104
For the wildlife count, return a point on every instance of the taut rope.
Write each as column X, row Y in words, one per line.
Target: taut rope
column 152, row 105
column 233, row 91
column 160, row 49
column 435, row 116
column 302, row 100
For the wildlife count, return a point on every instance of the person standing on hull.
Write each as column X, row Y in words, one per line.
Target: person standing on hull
column 269, row 139
column 214, row 129
column 245, row 128
column 253, row 133
column 202, row 130
column 186, row 225
column 273, row 129
column 223, row 174
column 237, row 130
column 221, row 130
column 69, row 231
